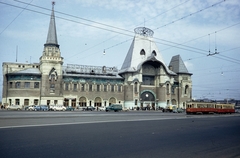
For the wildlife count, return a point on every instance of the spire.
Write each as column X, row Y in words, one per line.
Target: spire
column 52, row 33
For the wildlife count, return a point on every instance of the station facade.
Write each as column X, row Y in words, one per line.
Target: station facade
column 144, row 80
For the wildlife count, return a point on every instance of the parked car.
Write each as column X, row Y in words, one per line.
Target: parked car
column 14, row 107
column 58, row 108
column 89, row 108
column 29, row 108
column 177, row 110
column 36, row 108
column 44, row 107
column 101, row 108
column 70, row 108
column 114, row 107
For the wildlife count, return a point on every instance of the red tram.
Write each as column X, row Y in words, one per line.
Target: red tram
column 208, row 108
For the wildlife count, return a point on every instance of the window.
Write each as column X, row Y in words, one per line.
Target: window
column 35, row 101
column 66, row 86
column 10, row 85
column 55, row 102
column 82, row 88
column 154, row 53
column 75, row 87
column 186, row 89
column 26, row 101
column 52, row 88
column 136, row 101
column 136, row 87
column 27, row 85
column 17, row 101
column 90, row 87
column 105, row 88
column 17, row 85
column 148, row 80
column 36, row 84
column 112, row 88
column 98, row 88
column 119, row 88
column 167, row 88
column 142, row 52
column 173, row 90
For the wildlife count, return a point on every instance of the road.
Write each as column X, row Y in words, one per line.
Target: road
column 122, row 134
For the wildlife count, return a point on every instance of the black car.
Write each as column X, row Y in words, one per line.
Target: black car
column 89, row 108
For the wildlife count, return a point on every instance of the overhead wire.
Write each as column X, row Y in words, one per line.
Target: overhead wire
column 15, row 17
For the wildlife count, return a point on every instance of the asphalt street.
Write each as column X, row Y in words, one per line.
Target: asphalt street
column 124, row 134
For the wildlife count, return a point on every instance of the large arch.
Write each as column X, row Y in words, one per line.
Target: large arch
column 147, row 99
column 82, row 101
column 97, row 102
column 112, row 100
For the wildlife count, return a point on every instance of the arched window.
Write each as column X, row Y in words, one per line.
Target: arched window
column 154, row 53
column 186, row 89
column 142, row 52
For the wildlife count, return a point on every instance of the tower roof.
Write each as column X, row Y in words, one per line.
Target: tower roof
column 178, row 65
column 142, row 49
column 52, row 32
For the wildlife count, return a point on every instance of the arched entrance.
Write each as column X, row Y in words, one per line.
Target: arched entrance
column 112, row 100
column 147, row 100
column 83, row 101
column 98, row 102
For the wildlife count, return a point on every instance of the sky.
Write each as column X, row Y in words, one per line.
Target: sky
column 206, row 34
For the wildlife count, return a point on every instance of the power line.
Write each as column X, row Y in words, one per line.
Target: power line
column 15, row 18
column 190, row 14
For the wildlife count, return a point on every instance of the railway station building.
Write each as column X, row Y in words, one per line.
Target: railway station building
column 143, row 80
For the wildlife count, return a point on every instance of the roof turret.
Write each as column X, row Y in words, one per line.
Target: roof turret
column 177, row 65
column 142, row 49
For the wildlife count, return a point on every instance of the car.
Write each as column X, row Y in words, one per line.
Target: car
column 29, row 108
column 177, row 110
column 70, row 108
column 36, row 108
column 14, row 107
column 114, row 107
column 44, row 107
column 101, row 108
column 89, row 108
column 58, row 108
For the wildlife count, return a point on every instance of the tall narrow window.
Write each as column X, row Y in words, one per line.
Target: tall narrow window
column 136, row 87
column 112, row 88
column 90, row 87
column 105, row 88
column 66, row 86
column 75, row 87
column 10, row 85
column 17, row 101
column 167, row 88
column 119, row 88
column 186, row 89
column 82, row 87
column 98, row 88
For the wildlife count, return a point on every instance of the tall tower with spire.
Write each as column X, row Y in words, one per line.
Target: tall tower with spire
column 51, row 67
